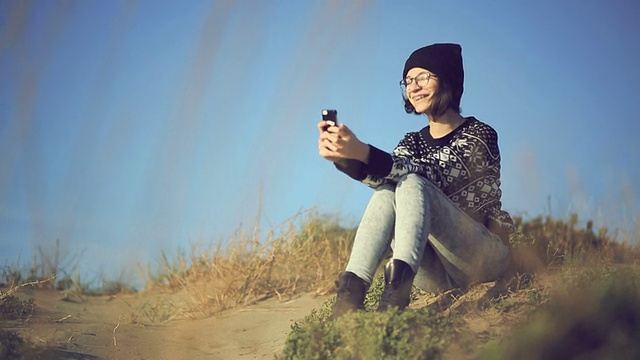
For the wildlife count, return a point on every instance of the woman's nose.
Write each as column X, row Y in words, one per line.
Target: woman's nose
column 413, row 86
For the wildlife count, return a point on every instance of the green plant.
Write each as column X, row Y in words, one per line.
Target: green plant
column 410, row 334
column 595, row 315
column 12, row 308
column 372, row 299
column 12, row 346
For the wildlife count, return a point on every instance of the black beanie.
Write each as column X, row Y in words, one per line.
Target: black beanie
column 444, row 60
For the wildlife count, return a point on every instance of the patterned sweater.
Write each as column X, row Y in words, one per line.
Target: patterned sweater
column 464, row 164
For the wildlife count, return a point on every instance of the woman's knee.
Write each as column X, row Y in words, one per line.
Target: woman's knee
column 382, row 197
column 411, row 178
column 412, row 181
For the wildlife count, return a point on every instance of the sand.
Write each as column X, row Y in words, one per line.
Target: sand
column 100, row 327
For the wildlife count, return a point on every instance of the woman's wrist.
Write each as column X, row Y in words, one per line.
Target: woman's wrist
column 364, row 153
column 341, row 163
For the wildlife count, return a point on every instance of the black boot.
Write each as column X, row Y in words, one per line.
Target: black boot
column 351, row 291
column 398, row 279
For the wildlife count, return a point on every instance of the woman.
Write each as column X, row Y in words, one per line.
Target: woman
column 437, row 196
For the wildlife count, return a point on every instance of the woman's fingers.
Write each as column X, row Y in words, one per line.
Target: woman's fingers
column 321, row 125
column 324, row 126
column 333, row 141
column 329, row 145
column 329, row 135
column 327, row 153
column 344, row 131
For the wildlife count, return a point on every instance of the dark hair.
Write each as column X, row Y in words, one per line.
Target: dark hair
column 443, row 99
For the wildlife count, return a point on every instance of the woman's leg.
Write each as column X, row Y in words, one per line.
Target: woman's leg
column 412, row 224
column 430, row 228
column 370, row 244
column 374, row 234
column 413, row 220
column 465, row 249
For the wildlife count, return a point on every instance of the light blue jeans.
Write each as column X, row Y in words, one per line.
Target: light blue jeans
column 444, row 246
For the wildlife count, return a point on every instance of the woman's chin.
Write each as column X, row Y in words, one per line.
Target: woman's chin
column 421, row 109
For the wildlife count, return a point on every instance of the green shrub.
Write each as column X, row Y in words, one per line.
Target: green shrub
column 12, row 308
column 12, row 346
column 410, row 334
column 595, row 316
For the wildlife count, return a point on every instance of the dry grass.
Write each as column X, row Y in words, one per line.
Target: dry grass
column 306, row 253
column 304, row 256
column 14, row 288
column 544, row 242
column 51, row 267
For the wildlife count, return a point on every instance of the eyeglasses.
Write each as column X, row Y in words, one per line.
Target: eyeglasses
column 422, row 80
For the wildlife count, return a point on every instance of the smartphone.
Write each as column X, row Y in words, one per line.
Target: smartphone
column 331, row 116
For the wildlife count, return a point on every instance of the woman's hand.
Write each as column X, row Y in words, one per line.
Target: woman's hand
column 338, row 143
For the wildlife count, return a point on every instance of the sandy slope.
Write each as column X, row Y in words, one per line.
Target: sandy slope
column 100, row 328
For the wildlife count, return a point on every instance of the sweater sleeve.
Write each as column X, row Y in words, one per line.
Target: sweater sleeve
column 379, row 169
column 389, row 168
column 371, row 174
column 353, row 168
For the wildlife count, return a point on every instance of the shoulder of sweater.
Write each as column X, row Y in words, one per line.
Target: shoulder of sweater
column 411, row 136
column 480, row 129
column 474, row 123
column 415, row 133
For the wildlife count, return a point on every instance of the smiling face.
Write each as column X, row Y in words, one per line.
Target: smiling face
column 421, row 95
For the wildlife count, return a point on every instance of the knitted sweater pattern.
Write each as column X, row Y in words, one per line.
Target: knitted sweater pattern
column 464, row 165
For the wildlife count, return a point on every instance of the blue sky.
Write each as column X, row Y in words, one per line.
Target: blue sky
column 128, row 127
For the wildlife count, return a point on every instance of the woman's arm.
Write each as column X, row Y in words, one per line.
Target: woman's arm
column 383, row 167
column 366, row 163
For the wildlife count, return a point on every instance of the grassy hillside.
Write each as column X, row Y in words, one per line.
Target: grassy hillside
column 574, row 294
column 575, row 291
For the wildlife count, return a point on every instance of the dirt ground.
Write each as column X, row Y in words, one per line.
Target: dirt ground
column 101, row 328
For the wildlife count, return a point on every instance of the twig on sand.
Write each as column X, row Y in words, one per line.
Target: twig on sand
column 63, row 319
column 120, row 318
column 13, row 289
